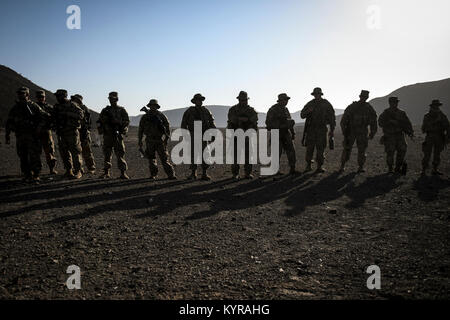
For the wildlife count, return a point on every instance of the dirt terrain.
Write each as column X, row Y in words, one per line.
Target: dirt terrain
column 303, row 237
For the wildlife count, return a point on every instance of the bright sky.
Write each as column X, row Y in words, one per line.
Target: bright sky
column 170, row 50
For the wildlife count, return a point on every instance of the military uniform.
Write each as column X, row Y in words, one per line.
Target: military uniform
column 68, row 117
column 114, row 123
column 202, row 114
column 395, row 124
column 242, row 116
column 47, row 142
column 85, row 134
column 354, row 124
column 26, row 119
column 318, row 114
column 155, row 126
column 279, row 117
column 437, row 129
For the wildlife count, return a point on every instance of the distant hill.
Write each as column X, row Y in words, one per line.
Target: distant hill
column 10, row 81
column 415, row 99
column 220, row 114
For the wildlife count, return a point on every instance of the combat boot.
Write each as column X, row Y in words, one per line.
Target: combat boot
column 78, row 174
column 193, row 175
column 123, row 175
column 293, row 171
column 91, row 170
column 361, row 169
column 152, row 177
column 106, row 174
column 205, row 176
column 390, row 170
column 249, row 176
column 172, row 177
column 52, row 167
column 436, row 172
column 308, row 167
column 69, row 174
column 320, row 169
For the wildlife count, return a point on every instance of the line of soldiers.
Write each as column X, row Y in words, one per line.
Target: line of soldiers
column 33, row 124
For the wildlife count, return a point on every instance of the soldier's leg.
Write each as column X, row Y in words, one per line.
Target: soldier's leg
column 401, row 152
column 22, row 153
column 288, row 146
column 75, row 150
column 362, row 143
column 120, row 154
column 389, row 149
column 164, row 156
column 347, row 150
column 87, row 153
column 427, row 148
column 310, row 146
column 35, row 151
column 321, row 145
column 108, row 143
column 235, row 166
column 248, row 167
column 205, row 166
column 151, row 155
column 65, row 154
column 46, row 147
column 439, row 145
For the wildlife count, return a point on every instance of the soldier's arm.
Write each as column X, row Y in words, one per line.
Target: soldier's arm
column 184, row 120
column 165, row 123
column 408, row 125
column 331, row 117
column 232, row 119
column 306, row 111
column 125, row 120
column 270, row 119
column 373, row 121
column 141, row 131
column 382, row 119
column 253, row 118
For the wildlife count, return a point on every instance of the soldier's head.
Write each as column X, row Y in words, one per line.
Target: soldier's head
column 283, row 99
column 113, row 98
column 364, row 95
column 77, row 98
column 435, row 105
column 40, row 96
column 153, row 104
column 198, row 99
column 393, row 102
column 243, row 98
column 61, row 95
column 23, row 94
column 317, row 93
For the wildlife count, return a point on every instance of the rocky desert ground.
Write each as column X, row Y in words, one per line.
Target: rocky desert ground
column 290, row 237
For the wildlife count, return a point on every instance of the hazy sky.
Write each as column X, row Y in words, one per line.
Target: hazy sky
column 170, row 49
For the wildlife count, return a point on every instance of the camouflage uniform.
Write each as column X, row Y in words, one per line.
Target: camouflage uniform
column 234, row 122
column 26, row 120
column 68, row 117
column 395, row 123
column 85, row 134
column 437, row 129
column 357, row 117
column 47, row 142
column 279, row 117
column 155, row 126
column 114, row 123
column 197, row 113
column 318, row 113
